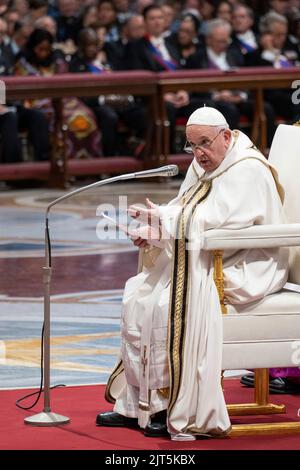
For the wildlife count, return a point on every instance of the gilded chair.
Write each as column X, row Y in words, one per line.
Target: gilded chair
column 265, row 333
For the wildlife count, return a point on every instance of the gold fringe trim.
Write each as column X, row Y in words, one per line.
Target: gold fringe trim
column 219, row 278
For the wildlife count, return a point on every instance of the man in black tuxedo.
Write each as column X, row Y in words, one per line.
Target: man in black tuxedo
column 153, row 51
column 243, row 36
column 158, row 53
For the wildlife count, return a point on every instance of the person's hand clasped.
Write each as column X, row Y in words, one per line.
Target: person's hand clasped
column 150, row 228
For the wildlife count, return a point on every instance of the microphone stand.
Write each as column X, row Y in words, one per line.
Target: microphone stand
column 47, row 417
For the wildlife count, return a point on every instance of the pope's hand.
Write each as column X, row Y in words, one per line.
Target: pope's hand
column 148, row 216
column 142, row 235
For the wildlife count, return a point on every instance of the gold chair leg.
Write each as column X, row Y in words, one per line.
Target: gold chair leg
column 261, row 386
column 247, row 409
column 261, row 405
column 265, row 429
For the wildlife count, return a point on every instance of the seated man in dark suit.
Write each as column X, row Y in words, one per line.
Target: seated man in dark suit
column 243, row 35
column 132, row 29
column 10, row 146
column 275, row 51
column 158, row 53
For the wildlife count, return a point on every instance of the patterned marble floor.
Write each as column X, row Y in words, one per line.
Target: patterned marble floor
column 88, row 277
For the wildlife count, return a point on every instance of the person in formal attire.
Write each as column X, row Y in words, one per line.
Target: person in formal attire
column 154, row 51
column 243, row 35
column 158, row 53
column 167, row 381
column 69, row 21
column 275, row 51
column 10, row 145
column 132, row 29
column 186, row 38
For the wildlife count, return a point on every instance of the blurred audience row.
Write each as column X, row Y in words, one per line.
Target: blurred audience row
column 47, row 38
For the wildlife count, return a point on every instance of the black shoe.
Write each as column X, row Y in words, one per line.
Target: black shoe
column 276, row 385
column 113, row 419
column 156, row 429
column 158, row 426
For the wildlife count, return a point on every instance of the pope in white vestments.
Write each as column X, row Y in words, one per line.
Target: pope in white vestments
column 171, row 327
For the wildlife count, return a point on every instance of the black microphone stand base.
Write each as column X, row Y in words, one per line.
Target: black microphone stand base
column 46, row 419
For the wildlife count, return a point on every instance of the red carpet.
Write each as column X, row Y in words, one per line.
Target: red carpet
column 82, row 404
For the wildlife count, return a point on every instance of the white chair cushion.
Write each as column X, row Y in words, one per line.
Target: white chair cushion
column 274, row 318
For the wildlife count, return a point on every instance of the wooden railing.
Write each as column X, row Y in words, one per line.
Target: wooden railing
column 57, row 87
column 152, row 87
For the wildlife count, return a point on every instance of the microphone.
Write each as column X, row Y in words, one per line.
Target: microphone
column 47, row 417
column 169, row 170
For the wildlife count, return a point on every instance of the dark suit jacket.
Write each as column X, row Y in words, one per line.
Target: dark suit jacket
column 254, row 59
column 139, row 57
column 79, row 65
column 7, row 59
column 237, row 45
column 200, row 59
column 173, row 39
column 116, row 52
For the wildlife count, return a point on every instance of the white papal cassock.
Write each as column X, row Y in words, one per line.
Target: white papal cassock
column 171, row 327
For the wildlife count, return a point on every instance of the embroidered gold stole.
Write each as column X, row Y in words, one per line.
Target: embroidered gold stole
column 180, row 285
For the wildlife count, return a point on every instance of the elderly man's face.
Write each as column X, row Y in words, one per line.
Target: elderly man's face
column 218, row 40
column 209, row 145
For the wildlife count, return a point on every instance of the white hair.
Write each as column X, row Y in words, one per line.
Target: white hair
column 217, row 23
column 267, row 21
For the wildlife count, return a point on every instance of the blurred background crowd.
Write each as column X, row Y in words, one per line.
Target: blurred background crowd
column 42, row 38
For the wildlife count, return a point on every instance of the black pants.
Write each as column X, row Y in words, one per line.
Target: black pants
column 283, row 105
column 134, row 116
column 10, row 147
column 37, row 126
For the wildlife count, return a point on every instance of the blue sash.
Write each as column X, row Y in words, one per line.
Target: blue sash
column 284, row 62
column 94, row 69
column 157, row 56
column 246, row 47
